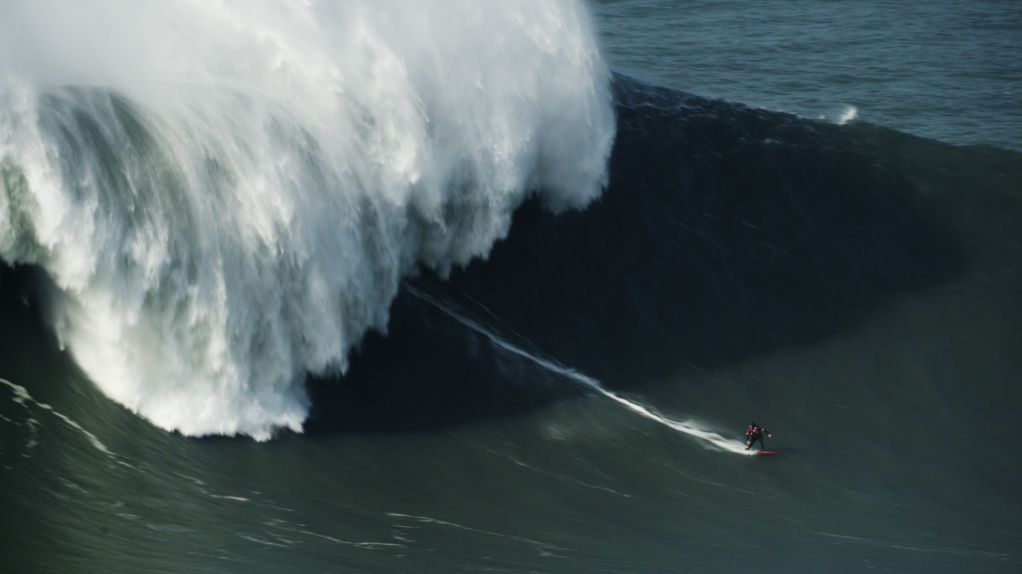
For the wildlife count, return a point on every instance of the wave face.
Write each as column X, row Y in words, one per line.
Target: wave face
column 568, row 404
column 727, row 234
column 226, row 195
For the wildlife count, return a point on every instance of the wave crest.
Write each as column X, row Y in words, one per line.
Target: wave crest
column 237, row 203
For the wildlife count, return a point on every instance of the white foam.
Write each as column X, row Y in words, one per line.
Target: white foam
column 236, row 203
column 850, row 113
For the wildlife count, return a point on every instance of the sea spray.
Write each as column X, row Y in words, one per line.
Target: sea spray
column 226, row 195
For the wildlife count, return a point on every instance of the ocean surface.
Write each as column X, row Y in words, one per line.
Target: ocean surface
column 458, row 286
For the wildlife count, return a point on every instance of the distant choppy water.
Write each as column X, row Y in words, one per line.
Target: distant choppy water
column 949, row 70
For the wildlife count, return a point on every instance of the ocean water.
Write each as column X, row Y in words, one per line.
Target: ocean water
column 944, row 69
column 468, row 286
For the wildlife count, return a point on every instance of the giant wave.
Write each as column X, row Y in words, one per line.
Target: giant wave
column 225, row 196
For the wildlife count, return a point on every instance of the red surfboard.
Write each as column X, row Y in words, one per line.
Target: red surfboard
column 767, row 451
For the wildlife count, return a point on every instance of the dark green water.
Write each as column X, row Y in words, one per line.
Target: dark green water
column 891, row 429
column 851, row 288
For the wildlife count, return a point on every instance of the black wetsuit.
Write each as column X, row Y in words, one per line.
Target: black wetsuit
column 756, row 434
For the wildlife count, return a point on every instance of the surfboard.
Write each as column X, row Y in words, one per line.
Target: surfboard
column 767, row 451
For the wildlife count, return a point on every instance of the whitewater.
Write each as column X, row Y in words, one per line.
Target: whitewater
column 225, row 196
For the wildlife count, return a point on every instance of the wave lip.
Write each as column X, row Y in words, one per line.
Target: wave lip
column 241, row 211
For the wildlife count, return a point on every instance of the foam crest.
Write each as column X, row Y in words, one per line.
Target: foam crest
column 227, row 195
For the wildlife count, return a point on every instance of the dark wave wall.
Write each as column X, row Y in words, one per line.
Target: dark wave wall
column 726, row 232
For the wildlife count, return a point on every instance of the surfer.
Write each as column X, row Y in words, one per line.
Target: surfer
column 755, row 433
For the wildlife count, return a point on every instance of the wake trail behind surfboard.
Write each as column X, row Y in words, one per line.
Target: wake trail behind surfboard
column 709, row 439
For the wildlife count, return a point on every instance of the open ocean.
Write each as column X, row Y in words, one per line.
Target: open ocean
column 425, row 286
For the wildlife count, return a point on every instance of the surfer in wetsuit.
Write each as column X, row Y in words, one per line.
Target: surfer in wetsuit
column 755, row 433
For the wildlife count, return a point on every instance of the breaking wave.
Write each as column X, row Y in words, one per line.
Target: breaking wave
column 226, row 196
